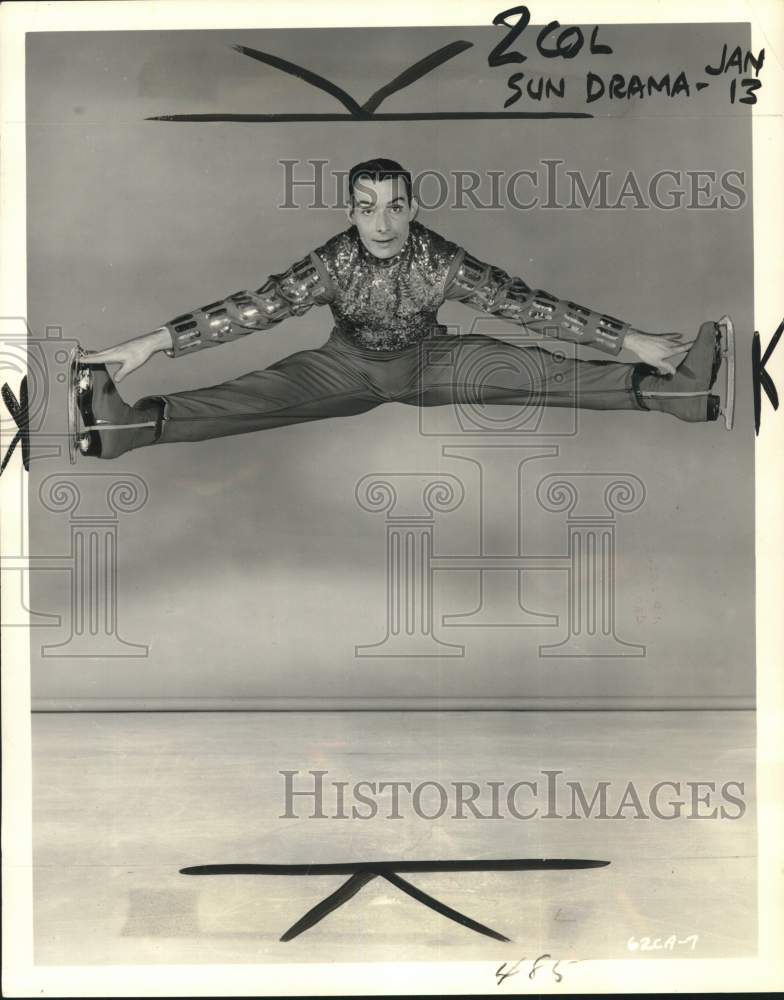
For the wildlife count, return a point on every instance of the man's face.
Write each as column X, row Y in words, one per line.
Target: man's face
column 382, row 213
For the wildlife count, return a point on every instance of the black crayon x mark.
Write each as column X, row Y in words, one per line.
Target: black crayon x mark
column 18, row 410
column 363, row 872
column 762, row 379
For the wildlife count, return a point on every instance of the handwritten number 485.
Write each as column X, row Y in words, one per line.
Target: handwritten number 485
column 505, row 970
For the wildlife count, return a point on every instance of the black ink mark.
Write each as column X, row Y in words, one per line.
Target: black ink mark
column 761, row 378
column 718, row 70
column 405, row 79
column 536, row 965
column 737, row 60
column 568, row 44
column 365, row 112
column 442, row 908
column 18, row 410
column 409, row 867
column 314, row 79
column 415, row 72
column 499, row 56
column 535, row 88
column 326, row 906
column 363, row 872
column 502, row 972
column 750, row 86
column 598, row 48
column 414, row 116
column 618, row 86
column 512, row 83
column 701, row 85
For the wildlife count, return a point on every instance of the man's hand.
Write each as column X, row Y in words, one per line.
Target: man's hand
column 662, row 351
column 133, row 353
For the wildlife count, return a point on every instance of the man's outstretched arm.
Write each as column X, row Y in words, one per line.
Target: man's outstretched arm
column 291, row 293
column 491, row 290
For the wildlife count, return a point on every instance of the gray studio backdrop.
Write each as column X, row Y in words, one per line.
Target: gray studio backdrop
column 247, row 571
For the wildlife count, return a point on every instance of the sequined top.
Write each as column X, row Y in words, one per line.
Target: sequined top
column 389, row 304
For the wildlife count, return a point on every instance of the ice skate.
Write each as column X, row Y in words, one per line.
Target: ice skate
column 687, row 394
column 100, row 423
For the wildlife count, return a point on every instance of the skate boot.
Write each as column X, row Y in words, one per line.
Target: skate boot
column 100, row 423
column 686, row 394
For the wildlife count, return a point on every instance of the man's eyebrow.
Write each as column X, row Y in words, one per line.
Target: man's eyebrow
column 366, row 200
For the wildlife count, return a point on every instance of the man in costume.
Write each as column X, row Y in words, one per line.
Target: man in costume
column 384, row 279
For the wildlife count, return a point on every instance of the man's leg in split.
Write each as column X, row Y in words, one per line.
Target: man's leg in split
column 482, row 369
column 309, row 385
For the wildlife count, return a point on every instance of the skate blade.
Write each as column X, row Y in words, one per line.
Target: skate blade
column 79, row 380
column 74, row 432
column 728, row 354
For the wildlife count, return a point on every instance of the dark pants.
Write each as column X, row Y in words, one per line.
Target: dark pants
column 340, row 379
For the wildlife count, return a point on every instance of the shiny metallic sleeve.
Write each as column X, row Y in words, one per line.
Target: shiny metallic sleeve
column 304, row 285
column 493, row 291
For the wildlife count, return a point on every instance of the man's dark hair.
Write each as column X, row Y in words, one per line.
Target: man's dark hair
column 378, row 169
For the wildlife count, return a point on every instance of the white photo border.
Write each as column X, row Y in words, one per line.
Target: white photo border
column 765, row 972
